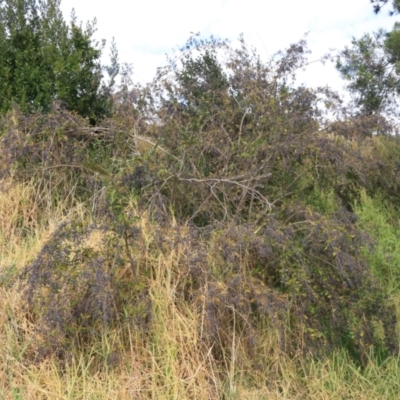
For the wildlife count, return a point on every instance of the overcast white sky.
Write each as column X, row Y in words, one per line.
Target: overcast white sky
column 146, row 30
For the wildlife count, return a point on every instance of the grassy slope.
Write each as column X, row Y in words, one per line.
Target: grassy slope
column 167, row 364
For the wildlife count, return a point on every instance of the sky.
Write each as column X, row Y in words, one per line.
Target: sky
column 146, row 30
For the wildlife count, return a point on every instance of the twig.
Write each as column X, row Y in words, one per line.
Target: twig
column 215, row 181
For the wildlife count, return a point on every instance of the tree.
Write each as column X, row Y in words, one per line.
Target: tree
column 43, row 59
column 371, row 70
column 378, row 4
column 372, row 67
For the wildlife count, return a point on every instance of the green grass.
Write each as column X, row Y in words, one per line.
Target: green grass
column 381, row 222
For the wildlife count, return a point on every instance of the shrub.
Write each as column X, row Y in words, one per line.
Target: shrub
column 236, row 163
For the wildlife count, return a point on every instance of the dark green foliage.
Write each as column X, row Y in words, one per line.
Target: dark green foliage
column 44, row 59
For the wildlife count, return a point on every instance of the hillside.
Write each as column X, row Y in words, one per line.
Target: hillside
column 218, row 235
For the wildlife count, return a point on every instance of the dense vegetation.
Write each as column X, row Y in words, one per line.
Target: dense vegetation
column 216, row 233
column 44, row 59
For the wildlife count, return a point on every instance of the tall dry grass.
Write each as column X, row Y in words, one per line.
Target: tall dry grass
column 169, row 361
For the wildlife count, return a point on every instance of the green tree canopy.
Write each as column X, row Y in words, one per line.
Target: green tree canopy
column 372, row 67
column 42, row 59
